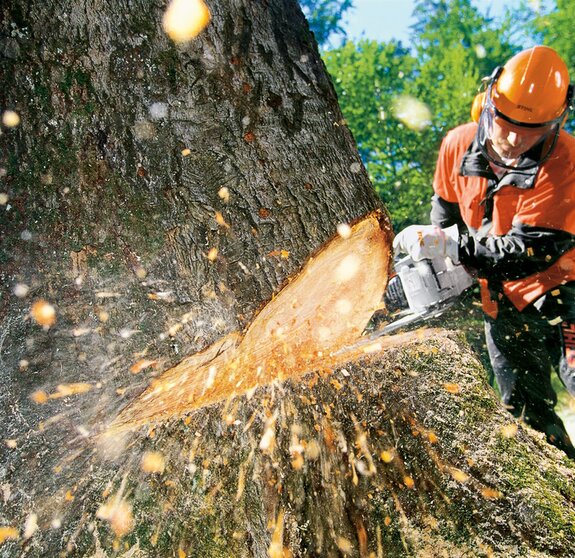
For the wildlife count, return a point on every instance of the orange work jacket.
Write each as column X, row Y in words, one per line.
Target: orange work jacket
column 541, row 198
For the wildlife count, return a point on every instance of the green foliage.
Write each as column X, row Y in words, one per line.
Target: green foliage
column 553, row 25
column 368, row 78
column 455, row 46
column 555, row 28
column 324, row 18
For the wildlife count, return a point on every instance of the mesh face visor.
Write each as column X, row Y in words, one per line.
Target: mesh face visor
column 506, row 142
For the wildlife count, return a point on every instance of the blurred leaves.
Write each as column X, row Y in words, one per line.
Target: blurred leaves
column 453, row 47
column 324, row 17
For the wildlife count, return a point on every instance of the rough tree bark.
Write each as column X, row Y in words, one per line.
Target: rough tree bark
column 158, row 196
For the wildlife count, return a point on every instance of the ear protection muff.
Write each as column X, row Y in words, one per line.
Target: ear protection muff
column 479, row 100
column 477, row 106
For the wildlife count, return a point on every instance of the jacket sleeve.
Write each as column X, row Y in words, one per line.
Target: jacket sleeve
column 444, row 203
column 523, row 251
column 444, row 214
column 543, row 229
column 443, row 185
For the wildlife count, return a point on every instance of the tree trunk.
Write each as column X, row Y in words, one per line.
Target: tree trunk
column 158, row 196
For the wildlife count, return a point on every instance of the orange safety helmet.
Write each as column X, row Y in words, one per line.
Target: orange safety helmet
column 531, row 91
column 532, row 88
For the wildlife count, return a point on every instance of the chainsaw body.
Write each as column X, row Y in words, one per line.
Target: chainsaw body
column 423, row 289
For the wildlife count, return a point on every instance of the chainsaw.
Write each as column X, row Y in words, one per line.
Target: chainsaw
column 421, row 290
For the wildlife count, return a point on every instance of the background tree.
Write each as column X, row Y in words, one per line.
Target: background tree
column 553, row 27
column 454, row 47
column 324, row 17
column 369, row 78
column 547, row 24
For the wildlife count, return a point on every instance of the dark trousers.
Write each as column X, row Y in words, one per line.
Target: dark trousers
column 523, row 348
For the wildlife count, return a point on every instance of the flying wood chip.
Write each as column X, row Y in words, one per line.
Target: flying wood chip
column 8, row 533
column 185, row 19
column 298, row 331
column 119, row 515
column 43, row 313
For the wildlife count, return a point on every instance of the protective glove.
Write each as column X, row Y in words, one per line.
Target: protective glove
column 428, row 242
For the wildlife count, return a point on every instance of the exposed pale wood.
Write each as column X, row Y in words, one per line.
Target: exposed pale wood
column 317, row 314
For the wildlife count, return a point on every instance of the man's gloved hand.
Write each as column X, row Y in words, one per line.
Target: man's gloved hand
column 428, row 241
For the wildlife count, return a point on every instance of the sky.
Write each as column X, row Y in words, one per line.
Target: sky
column 383, row 20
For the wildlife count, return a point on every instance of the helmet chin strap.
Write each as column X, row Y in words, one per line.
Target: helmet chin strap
column 489, row 152
column 496, row 158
